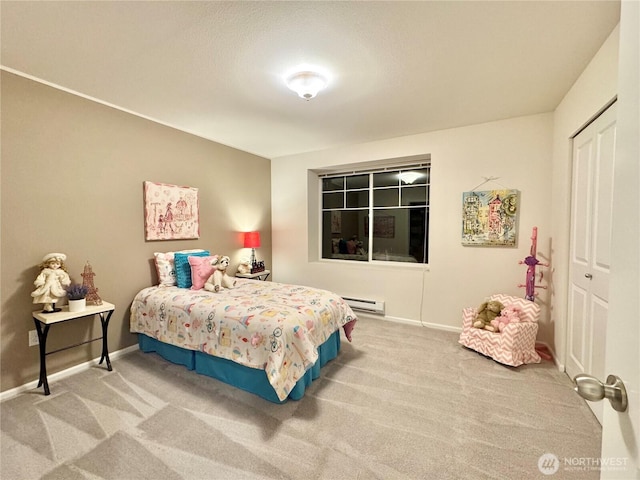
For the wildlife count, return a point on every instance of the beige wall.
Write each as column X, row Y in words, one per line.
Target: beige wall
column 72, row 176
column 532, row 154
column 518, row 151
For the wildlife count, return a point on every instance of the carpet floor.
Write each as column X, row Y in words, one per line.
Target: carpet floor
column 400, row 402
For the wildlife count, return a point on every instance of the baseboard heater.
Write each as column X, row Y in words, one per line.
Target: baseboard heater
column 363, row 305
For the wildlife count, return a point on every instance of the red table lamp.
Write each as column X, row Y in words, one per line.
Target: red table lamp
column 252, row 241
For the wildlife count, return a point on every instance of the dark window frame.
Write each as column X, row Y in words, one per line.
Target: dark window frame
column 369, row 224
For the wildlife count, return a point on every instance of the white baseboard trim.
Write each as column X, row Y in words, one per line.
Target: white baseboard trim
column 408, row 321
column 66, row 373
column 437, row 326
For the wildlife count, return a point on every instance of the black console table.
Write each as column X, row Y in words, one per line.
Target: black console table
column 44, row 321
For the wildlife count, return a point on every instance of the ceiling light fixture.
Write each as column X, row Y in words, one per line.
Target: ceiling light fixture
column 409, row 177
column 306, row 82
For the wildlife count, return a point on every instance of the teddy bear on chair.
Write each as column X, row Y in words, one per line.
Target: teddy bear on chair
column 509, row 314
column 487, row 311
column 219, row 280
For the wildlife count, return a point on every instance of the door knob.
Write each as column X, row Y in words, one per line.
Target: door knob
column 588, row 275
column 592, row 389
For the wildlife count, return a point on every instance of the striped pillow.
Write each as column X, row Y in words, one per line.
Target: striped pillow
column 529, row 311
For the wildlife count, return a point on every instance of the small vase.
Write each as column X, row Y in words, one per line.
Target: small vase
column 77, row 305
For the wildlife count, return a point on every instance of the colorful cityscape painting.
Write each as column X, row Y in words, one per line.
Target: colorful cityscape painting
column 490, row 218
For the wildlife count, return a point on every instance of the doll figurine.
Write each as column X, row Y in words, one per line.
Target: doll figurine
column 51, row 282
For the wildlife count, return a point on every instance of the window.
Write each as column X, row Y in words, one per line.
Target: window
column 376, row 216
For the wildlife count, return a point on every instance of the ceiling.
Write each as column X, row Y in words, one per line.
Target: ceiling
column 215, row 69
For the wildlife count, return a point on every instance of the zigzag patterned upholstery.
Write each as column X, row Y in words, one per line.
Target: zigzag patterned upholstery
column 516, row 344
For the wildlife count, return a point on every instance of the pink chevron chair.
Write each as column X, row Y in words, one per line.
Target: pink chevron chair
column 516, row 344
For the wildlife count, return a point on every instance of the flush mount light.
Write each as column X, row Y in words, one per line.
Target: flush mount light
column 306, row 81
column 409, row 177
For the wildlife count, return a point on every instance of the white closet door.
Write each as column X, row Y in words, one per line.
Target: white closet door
column 592, row 196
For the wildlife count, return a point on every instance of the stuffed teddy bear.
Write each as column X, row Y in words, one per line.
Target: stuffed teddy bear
column 486, row 312
column 244, row 267
column 219, row 280
column 509, row 314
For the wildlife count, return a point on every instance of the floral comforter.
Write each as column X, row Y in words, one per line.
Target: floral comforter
column 265, row 325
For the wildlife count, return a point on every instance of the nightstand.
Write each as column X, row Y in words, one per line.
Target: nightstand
column 255, row 276
column 44, row 321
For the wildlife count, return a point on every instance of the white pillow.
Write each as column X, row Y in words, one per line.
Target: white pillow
column 166, row 268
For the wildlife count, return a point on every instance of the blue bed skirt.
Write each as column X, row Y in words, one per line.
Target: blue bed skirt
column 249, row 379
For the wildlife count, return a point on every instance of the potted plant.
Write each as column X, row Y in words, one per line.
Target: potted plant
column 77, row 297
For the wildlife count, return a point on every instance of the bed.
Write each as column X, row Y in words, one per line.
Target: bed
column 268, row 338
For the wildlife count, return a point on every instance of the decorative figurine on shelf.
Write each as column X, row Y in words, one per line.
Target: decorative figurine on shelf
column 87, row 280
column 532, row 261
column 257, row 267
column 51, row 282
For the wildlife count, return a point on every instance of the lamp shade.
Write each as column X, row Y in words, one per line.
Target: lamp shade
column 252, row 239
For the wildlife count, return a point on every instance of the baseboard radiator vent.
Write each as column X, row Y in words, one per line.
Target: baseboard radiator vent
column 363, row 305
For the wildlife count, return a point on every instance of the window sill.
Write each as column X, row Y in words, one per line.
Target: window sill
column 375, row 263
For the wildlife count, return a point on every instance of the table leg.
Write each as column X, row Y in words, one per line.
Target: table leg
column 105, row 350
column 42, row 341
